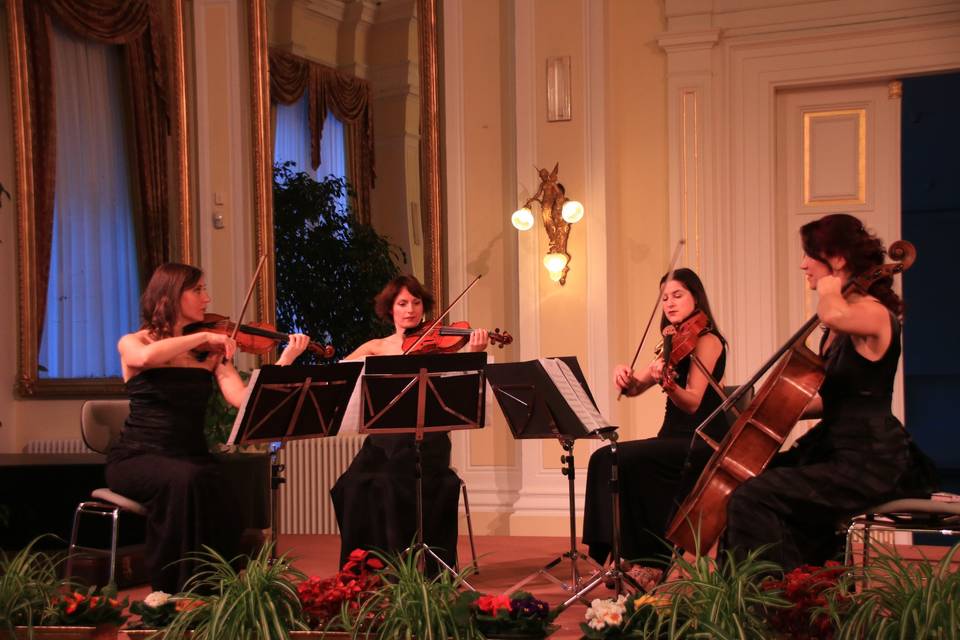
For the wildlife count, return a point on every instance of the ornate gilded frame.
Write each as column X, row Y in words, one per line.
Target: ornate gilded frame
column 28, row 382
column 431, row 180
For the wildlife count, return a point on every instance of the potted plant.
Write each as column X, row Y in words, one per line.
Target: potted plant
column 97, row 608
column 259, row 601
column 323, row 600
column 900, row 599
column 806, row 588
column 519, row 615
column 28, row 583
column 411, row 604
column 626, row 617
column 319, row 245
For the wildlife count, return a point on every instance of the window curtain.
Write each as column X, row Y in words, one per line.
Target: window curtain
column 347, row 98
column 292, row 136
column 136, row 25
column 92, row 286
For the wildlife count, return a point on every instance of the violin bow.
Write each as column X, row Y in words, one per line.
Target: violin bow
column 673, row 264
column 433, row 325
column 246, row 300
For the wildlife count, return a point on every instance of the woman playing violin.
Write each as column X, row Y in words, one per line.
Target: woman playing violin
column 161, row 459
column 375, row 497
column 651, row 470
column 403, row 302
column 859, row 455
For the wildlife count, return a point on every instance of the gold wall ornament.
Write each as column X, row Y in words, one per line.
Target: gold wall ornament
column 558, row 214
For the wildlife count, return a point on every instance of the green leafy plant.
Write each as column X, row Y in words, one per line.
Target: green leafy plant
column 90, row 608
column 259, row 602
column 329, row 266
column 718, row 599
column 411, row 605
column 28, row 583
column 902, row 599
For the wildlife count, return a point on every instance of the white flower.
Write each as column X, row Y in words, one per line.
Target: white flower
column 603, row 613
column 156, row 599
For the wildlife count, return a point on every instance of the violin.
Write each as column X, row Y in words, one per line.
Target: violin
column 255, row 337
column 446, row 339
column 679, row 341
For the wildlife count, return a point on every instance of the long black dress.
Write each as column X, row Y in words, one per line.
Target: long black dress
column 858, row 456
column 652, row 477
column 375, row 498
column 161, row 461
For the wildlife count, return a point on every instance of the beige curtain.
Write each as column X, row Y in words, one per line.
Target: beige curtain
column 347, row 97
column 136, row 25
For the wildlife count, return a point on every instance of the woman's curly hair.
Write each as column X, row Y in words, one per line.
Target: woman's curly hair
column 160, row 302
column 842, row 235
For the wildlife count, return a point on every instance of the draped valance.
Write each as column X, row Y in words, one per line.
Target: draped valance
column 347, row 97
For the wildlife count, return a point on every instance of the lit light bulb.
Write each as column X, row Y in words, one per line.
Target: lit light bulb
column 522, row 219
column 572, row 211
column 555, row 262
column 556, row 275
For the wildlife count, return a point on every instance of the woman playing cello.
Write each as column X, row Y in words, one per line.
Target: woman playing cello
column 651, row 470
column 375, row 497
column 859, row 455
column 161, row 459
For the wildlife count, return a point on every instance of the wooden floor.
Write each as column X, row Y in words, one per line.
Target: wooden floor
column 503, row 560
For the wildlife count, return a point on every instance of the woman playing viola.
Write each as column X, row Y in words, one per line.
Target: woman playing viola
column 651, row 471
column 161, row 459
column 375, row 498
column 859, row 455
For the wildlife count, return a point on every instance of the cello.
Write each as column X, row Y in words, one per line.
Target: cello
column 762, row 427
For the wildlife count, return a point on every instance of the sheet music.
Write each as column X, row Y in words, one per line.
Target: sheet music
column 574, row 393
column 243, row 407
column 353, row 415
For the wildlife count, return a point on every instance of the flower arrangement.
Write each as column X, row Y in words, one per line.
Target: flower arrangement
column 159, row 608
column 623, row 617
column 519, row 614
column 74, row 608
column 806, row 588
column 323, row 599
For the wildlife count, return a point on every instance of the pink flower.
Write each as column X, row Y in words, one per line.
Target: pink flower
column 491, row 604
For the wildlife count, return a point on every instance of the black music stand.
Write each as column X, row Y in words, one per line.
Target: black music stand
column 421, row 394
column 536, row 409
column 293, row 403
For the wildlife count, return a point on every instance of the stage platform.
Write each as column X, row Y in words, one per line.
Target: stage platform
column 503, row 560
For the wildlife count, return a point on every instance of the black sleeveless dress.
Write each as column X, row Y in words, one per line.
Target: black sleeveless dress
column 375, row 498
column 162, row 461
column 857, row 457
column 653, row 480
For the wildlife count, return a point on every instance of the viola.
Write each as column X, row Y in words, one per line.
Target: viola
column 255, row 337
column 446, row 338
column 762, row 427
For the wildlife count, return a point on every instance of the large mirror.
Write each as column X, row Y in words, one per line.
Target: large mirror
column 101, row 182
column 394, row 46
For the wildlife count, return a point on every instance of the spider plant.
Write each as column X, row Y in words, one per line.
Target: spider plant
column 259, row 601
column 411, row 605
column 28, row 583
column 902, row 599
column 717, row 599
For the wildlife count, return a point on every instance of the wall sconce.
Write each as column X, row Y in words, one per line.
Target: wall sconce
column 558, row 213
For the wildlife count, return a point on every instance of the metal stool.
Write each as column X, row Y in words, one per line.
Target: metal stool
column 100, row 424
column 906, row 515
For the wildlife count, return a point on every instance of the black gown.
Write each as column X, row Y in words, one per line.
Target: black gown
column 375, row 498
column 857, row 457
column 162, row 461
column 653, row 480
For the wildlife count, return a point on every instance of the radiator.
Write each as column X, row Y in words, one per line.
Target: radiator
column 312, row 468
column 75, row 445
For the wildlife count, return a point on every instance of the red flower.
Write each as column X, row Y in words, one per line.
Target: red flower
column 491, row 604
